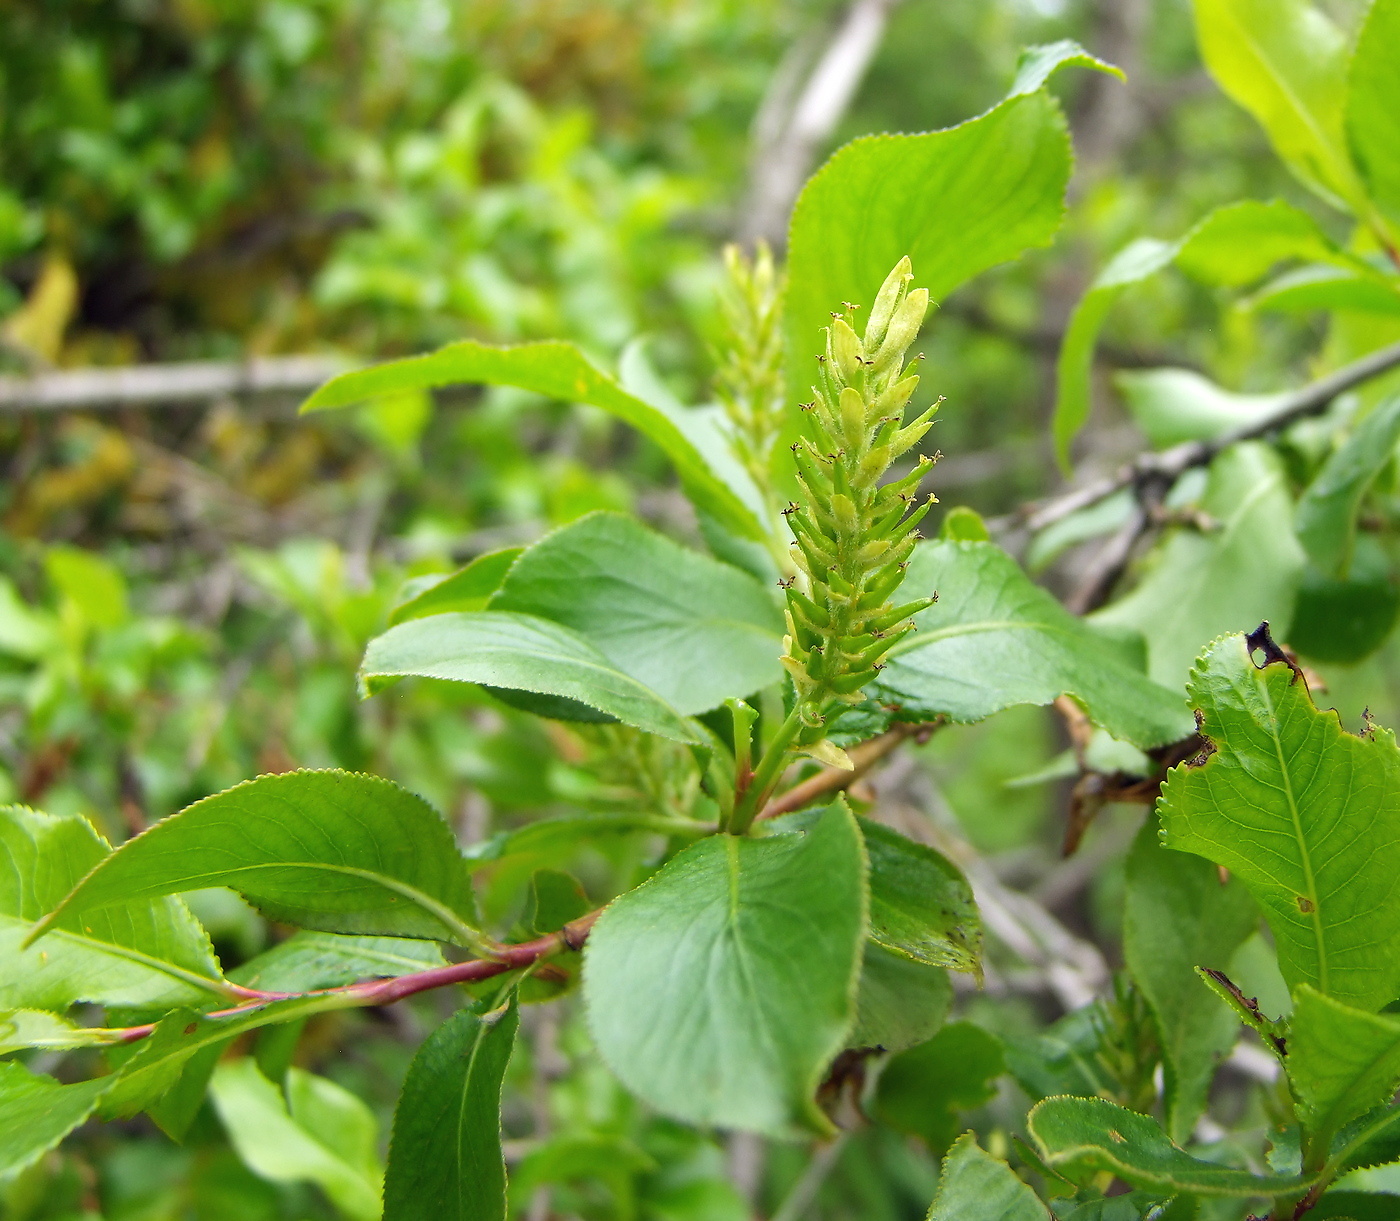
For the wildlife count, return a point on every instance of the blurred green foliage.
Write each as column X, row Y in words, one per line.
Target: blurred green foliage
column 185, row 594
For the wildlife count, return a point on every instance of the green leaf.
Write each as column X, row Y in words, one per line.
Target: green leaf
column 317, row 1132
column 1347, row 619
column 975, row 1186
column 1175, row 405
column 445, row 1161
column 327, row 850
column 694, row 630
column 523, row 653
column 720, row 989
column 1037, row 64
column 1083, row 1137
column 613, row 1161
column 1285, row 63
column 921, row 906
column 37, row 1028
column 1199, row 584
column 560, row 371
column 36, row 1112
column 995, row 639
column 924, row 1090
column 1064, row 1059
column 307, row 961
column 899, row 1002
column 956, row 202
column 89, row 582
column 1239, row 243
column 1075, row 365
column 1325, row 519
column 1308, row 289
column 174, row 1111
column 555, row 899
column 1234, row 245
column 1304, row 814
column 1372, row 108
column 1177, row 917
column 1342, row 1062
column 183, row 1037
column 468, row 589
column 1355, row 1206
column 144, row 952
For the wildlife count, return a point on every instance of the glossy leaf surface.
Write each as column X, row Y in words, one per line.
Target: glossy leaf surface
column 330, row 850
column 468, row 589
column 523, row 653
column 921, row 906
column 1373, row 107
column 719, row 990
column 995, row 639
column 445, row 1161
column 694, row 630
column 956, row 202
column 1304, row 814
column 308, row 960
column 1285, row 62
column 560, row 371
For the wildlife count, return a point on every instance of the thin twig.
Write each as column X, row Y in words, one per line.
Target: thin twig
column 386, row 991
column 804, row 1191
column 836, row 779
column 176, row 382
column 1169, row 465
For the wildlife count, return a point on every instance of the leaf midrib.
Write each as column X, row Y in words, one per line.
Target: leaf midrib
column 1295, row 815
column 1304, row 113
column 449, row 919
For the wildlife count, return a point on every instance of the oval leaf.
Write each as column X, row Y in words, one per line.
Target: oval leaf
column 1304, row 814
column 995, row 639
column 327, row 850
column 720, row 989
column 560, row 371
column 1082, row 1137
column 515, row 652
column 445, row 1161
column 144, row 952
column 694, row 630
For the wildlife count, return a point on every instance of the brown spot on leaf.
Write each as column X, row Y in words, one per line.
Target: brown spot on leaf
column 1306, row 905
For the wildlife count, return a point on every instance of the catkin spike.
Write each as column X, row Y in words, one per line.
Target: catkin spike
column 853, row 536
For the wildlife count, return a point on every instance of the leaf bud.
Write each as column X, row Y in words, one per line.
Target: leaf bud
column 853, row 417
column 904, row 329
column 846, row 351
column 886, row 302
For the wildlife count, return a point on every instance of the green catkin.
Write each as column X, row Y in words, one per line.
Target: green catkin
column 853, row 537
column 749, row 381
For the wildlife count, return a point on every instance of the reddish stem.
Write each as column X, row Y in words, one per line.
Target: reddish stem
column 387, row 991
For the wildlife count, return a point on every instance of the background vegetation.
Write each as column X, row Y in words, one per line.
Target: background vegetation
column 186, row 591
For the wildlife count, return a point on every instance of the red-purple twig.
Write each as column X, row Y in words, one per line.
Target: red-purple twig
column 387, row 991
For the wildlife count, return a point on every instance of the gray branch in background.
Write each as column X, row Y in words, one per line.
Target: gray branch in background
column 798, row 116
column 181, row 382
